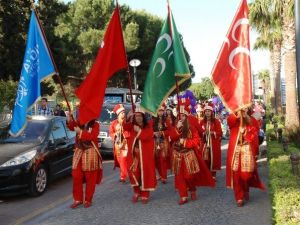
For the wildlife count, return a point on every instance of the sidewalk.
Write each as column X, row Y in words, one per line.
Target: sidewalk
column 216, row 206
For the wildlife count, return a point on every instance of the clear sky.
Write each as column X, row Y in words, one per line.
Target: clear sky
column 203, row 24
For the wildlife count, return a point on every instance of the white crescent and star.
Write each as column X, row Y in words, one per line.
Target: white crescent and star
column 234, row 52
column 162, row 62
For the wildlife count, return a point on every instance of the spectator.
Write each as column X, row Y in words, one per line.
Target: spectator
column 58, row 111
column 44, row 110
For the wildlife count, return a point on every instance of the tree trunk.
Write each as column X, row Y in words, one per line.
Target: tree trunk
column 272, row 82
column 289, row 59
column 277, row 78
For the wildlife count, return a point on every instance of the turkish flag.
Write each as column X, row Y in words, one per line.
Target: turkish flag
column 231, row 75
column 110, row 59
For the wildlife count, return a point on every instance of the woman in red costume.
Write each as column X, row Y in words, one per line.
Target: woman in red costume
column 118, row 135
column 140, row 158
column 87, row 162
column 189, row 169
column 162, row 157
column 212, row 136
column 241, row 168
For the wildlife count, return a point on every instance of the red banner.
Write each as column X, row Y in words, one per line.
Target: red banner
column 231, row 75
column 110, row 59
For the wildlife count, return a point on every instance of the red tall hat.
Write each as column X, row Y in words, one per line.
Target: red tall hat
column 184, row 109
column 118, row 109
column 138, row 109
column 209, row 106
column 184, row 106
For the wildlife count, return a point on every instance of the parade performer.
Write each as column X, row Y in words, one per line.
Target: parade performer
column 162, row 158
column 120, row 147
column 199, row 112
column 189, row 169
column 87, row 161
column 241, row 167
column 140, row 158
column 212, row 137
column 170, row 118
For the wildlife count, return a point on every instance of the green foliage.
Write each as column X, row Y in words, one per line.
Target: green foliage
column 132, row 41
column 14, row 20
column 203, row 90
column 284, row 186
column 8, row 90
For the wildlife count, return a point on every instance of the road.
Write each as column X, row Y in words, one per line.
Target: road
column 112, row 205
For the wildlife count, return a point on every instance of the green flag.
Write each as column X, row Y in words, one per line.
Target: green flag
column 168, row 64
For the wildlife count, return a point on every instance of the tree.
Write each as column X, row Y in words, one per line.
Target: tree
column 268, row 25
column 203, row 90
column 264, row 77
column 284, row 9
column 14, row 20
column 8, row 90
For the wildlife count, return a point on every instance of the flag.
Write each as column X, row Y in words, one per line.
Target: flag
column 110, row 59
column 231, row 75
column 37, row 65
column 168, row 64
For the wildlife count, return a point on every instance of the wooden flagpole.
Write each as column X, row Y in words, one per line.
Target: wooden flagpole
column 51, row 56
column 127, row 69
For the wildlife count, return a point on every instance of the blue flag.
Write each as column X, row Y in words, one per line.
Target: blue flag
column 37, row 65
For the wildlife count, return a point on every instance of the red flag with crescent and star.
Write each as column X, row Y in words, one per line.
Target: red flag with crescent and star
column 110, row 59
column 231, row 75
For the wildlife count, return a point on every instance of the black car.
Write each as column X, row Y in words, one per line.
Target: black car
column 40, row 154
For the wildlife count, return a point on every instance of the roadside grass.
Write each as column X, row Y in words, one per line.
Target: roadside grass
column 284, row 186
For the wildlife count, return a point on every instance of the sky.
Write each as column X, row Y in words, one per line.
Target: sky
column 203, row 25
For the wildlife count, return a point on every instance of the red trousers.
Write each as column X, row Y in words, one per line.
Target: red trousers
column 162, row 166
column 79, row 177
column 123, row 167
column 184, row 181
column 240, row 183
column 137, row 189
column 208, row 162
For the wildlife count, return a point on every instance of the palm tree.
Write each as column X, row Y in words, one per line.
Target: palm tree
column 284, row 9
column 269, row 28
column 264, row 77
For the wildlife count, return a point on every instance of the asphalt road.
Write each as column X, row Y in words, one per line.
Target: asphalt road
column 112, row 205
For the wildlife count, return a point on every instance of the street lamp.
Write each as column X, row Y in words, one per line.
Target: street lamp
column 134, row 63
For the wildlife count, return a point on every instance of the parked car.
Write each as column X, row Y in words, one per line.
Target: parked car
column 42, row 153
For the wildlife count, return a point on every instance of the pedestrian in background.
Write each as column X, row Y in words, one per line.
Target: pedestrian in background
column 58, row 111
column 44, row 109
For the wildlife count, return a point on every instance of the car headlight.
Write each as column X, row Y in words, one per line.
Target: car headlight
column 20, row 159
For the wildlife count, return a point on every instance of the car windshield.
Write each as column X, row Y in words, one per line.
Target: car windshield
column 35, row 131
column 107, row 115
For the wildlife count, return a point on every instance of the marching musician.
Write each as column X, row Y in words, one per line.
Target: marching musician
column 120, row 147
column 211, row 139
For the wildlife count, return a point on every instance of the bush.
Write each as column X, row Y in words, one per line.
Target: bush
column 284, row 186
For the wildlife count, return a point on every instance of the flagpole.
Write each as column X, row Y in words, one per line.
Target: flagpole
column 51, row 56
column 171, row 33
column 127, row 69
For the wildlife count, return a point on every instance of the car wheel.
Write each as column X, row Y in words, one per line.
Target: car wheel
column 39, row 182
